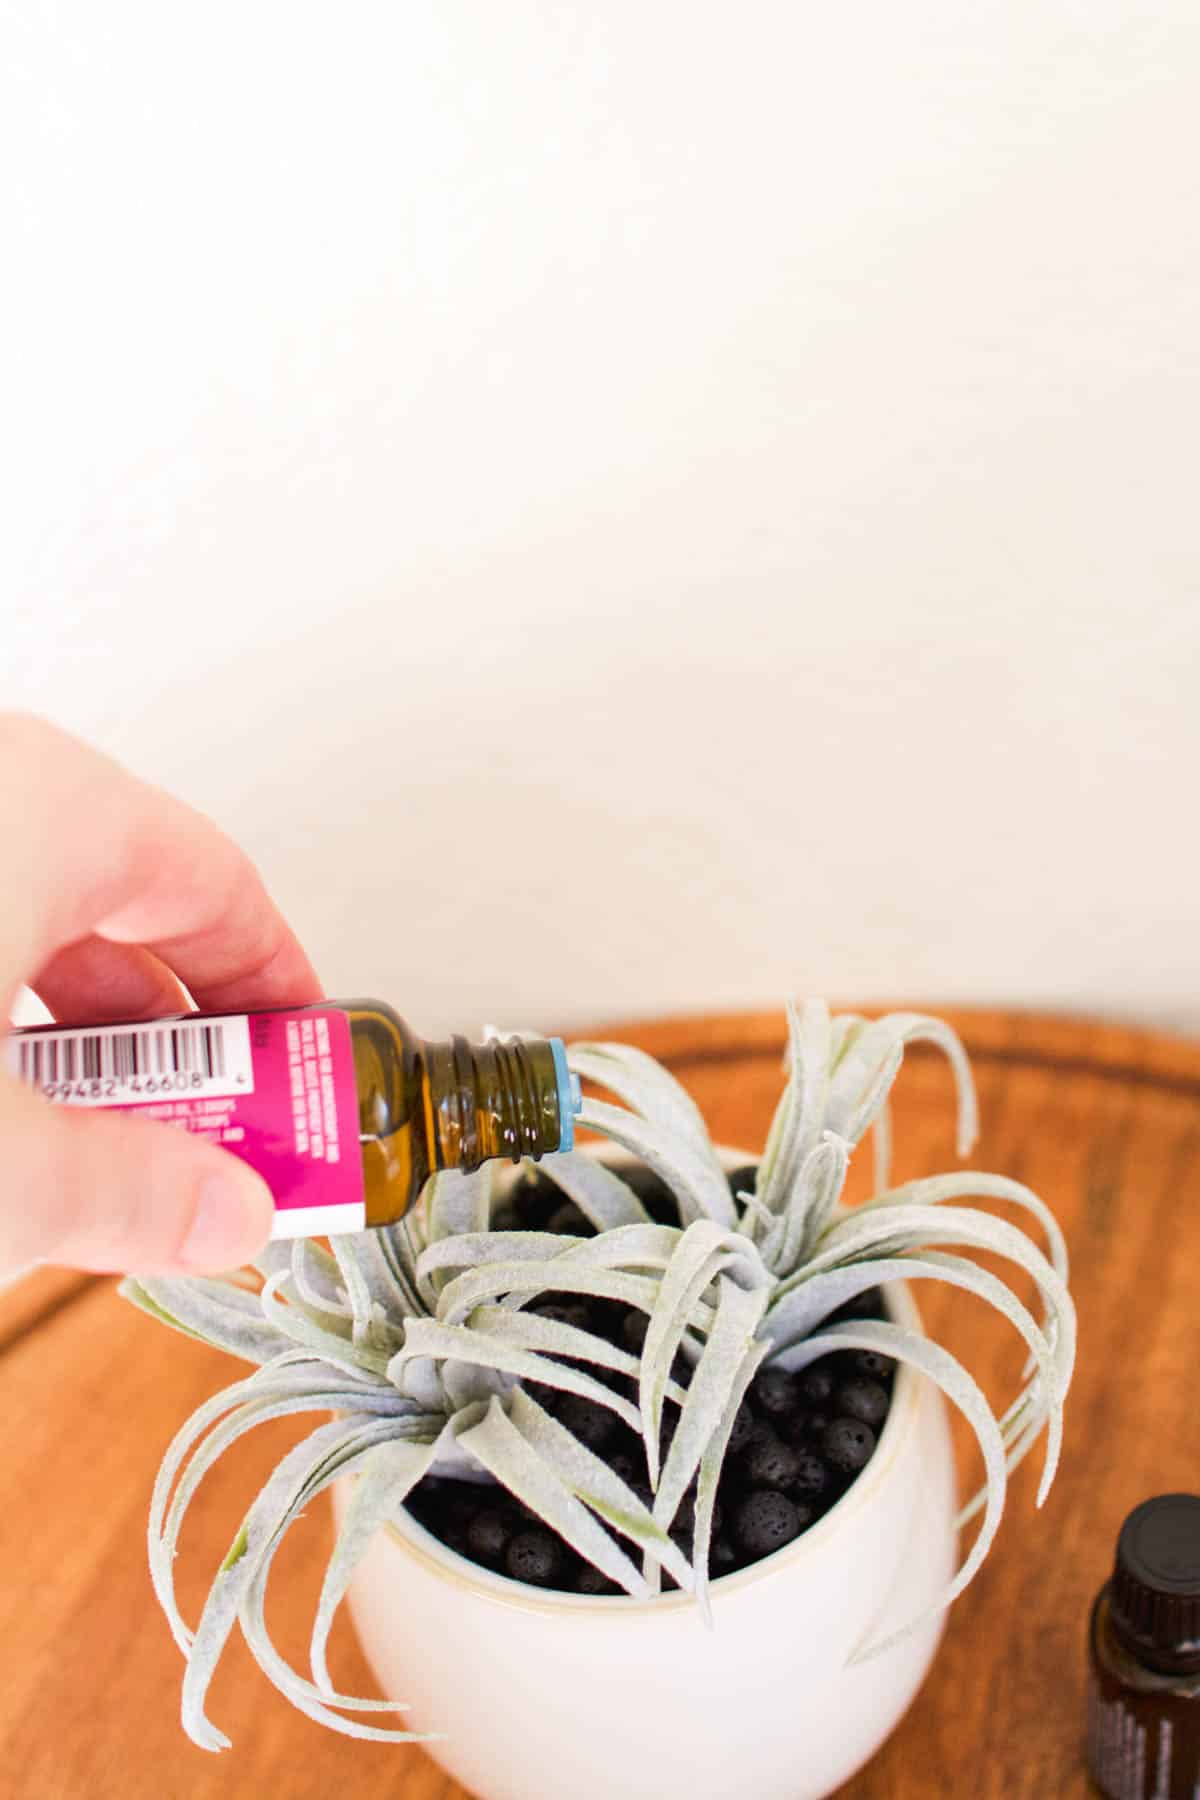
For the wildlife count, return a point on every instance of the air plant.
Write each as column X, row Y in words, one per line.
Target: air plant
column 420, row 1341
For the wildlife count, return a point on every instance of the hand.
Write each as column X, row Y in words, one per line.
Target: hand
column 113, row 894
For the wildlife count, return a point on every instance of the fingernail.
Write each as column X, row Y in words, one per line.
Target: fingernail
column 231, row 1222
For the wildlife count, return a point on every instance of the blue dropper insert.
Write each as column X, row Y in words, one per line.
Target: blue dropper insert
column 570, row 1095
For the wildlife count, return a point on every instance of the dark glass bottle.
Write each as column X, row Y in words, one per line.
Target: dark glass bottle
column 425, row 1106
column 1144, row 1657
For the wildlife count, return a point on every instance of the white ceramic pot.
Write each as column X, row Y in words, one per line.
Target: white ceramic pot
column 540, row 1695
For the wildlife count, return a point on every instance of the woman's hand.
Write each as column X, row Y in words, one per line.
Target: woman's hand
column 112, row 894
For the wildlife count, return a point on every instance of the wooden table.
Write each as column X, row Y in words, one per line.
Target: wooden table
column 1103, row 1121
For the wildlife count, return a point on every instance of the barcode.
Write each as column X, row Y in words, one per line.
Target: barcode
column 123, row 1065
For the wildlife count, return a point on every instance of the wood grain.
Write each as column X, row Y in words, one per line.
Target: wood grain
column 1104, row 1121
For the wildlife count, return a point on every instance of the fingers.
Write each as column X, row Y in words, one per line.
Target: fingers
column 104, row 1190
column 95, row 982
column 91, row 850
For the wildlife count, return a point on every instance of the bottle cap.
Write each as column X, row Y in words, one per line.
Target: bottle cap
column 570, row 1095
column 1154, row 1599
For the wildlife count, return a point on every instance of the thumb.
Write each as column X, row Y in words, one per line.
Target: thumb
column 104, row 1190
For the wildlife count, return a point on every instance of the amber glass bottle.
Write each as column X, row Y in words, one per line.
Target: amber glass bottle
column 1144, row 1657
column 340, row 1106
column 452, row 1105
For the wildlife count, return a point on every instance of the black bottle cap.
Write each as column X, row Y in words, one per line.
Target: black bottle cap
column 1154, row 1600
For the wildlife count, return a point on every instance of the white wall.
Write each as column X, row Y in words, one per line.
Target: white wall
column 627, row 508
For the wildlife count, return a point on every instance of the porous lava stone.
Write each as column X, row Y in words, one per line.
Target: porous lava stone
column 848, row 1445
column 774, row 1392
column 798, row 1440
column 862, row 1398
column 535, row 1557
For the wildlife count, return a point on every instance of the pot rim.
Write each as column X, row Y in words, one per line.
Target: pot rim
column 502, row 1590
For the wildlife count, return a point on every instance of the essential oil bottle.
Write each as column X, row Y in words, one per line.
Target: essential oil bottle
column 342, row 1109
column 1144, row 1656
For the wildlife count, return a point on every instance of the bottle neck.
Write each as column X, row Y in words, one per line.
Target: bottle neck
column 500, row 1099
column 1181, row 1660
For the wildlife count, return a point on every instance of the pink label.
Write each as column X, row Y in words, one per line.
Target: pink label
column 275, row 1088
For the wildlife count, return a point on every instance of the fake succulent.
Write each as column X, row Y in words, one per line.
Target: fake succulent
column 420, row 1340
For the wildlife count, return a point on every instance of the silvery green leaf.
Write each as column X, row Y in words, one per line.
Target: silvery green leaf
column 781, row 1119
column 591, row 1480
column 273, row 1257
column 936, row 1190
column 646, row 1246
column 476, row 1249
column 456, row 1203
column 881, row 1131
column 301, row 1693
column 384, row 1480
column 428, row 1338
column 739, row 1312
column 697, row 1183
column 798, row 1122
column 222, row 1315
column 325, row 1340
column 236, row 1424
column 521, row 1464
column 792, row 1318
column 869, row 1065
column 420, row 1379
column 845, row 1031
column 317, row 1282
column 461, row 1296
column 269, row 1393
column 958, row 1386
column 704, row 1251
column 712, row 1462
column 1020, row 1428
column 394, row 1247
column 601, row 1196
column 868, row 1231
column 327, row 1449
column 643, row 1084
column 553, row 1336
column 469, row 1383
column 814, row 1195
column 380, row 1289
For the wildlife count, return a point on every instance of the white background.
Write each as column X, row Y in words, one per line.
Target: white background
column 631, row 507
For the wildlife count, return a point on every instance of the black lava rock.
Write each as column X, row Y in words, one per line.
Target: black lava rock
column 629, row 1467
column 816, row 1385
column 803, row 1428
column 589, row 1580
column 813, row 1478
column 685, row 1518
column 868, row 1305
column 488, row 1536
column 766, row 1521
column 633, row 1330
column 870, row 1362
column 653, row 1193
column 565, row 1312
column 722, row 1557
column 848, row 1445
column 862, row 1398
column 773, row 1393
column 770, row 1463
column 535, row 1557
column 743, row 1425
column 594, row 1425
